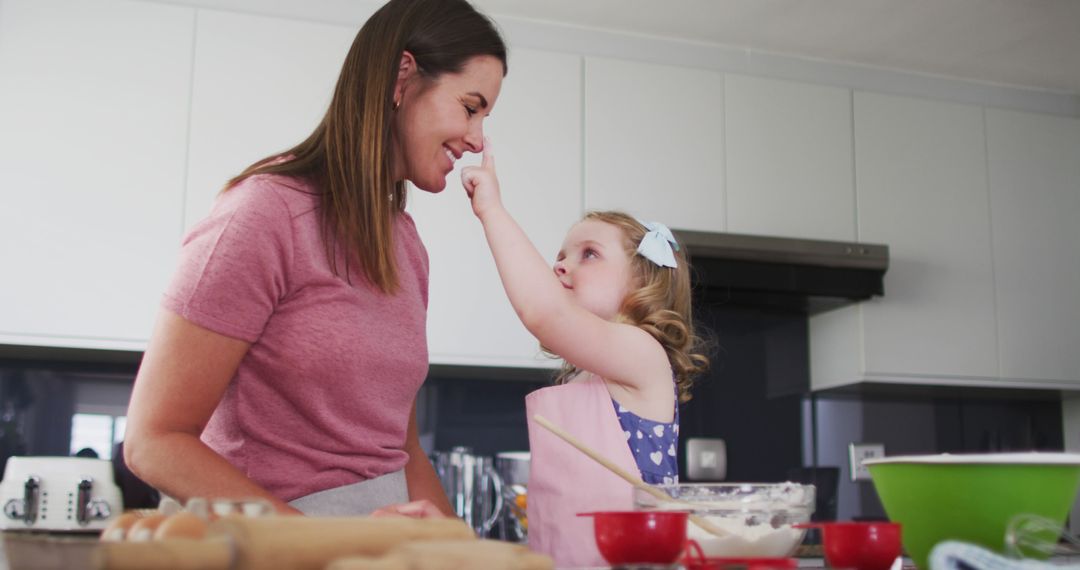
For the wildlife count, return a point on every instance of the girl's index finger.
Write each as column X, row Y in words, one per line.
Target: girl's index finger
column 487, row 160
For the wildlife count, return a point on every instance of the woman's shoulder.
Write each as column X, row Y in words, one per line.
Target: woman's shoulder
column 406, row 230
column 407, row 222
column 270, row 195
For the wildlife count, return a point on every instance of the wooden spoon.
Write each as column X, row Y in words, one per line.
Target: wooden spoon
column 631, row 478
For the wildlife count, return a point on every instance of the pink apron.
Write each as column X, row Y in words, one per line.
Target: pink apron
column 563, row 481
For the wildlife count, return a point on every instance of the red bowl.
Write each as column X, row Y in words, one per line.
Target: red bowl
column 639, row 537
column 859, row 545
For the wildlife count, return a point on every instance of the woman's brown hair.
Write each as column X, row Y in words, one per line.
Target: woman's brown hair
column 348, row 157
column 660, row 304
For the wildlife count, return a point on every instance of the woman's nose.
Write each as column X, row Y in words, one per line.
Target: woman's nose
column 475, row 138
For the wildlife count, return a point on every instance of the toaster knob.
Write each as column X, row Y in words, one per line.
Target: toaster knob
column 98, row 509
column 15, row 509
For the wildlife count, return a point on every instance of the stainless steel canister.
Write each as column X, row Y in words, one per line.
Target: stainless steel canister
column 474, row 488
column 513, row 467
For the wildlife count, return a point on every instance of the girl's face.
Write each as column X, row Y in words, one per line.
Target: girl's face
column 596, row 269
column 441, row 119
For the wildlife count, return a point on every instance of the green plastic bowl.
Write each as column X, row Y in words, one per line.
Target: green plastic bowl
column 971, row 497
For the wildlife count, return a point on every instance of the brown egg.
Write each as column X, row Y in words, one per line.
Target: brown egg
column 183, row 524
column 143, row 529
column 118, row 529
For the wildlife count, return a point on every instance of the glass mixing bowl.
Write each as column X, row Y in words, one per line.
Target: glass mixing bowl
column 756, row 519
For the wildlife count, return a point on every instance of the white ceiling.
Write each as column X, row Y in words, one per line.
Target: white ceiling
column 1025, row 43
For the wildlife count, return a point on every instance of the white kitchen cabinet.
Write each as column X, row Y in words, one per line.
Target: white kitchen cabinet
column 93, row 127
column 789, row 159
column 922, row 190
column 654, row 142
column 1035, row 202
column 535, row 130
column 261, row 86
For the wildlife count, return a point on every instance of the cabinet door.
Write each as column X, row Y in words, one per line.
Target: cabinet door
column 93, row 126
column 789, row 159
column 261, row 85
column 654, row 142
column 922, row 189
column 535, row 130
column 1035, row 202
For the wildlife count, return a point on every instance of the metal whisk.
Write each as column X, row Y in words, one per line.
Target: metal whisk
column 1034, row 536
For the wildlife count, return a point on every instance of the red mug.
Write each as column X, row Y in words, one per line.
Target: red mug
column 639, row 537
column 859, row 545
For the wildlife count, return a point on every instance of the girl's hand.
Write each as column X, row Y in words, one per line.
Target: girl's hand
column 481, row 184
column 422, row 509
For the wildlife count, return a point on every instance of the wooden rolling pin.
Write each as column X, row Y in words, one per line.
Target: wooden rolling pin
column 278, row 542
column 450, row 555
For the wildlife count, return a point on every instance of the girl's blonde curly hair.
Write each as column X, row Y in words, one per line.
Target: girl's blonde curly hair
column 659, row 304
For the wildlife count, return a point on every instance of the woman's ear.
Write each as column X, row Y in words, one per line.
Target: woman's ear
column 406, row 71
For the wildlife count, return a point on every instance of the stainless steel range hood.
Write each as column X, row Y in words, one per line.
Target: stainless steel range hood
column 787, row 274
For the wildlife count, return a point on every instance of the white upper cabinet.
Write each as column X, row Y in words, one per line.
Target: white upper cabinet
column 789, row 159
column 535, row 129
column 1035, row 203
column 922, row 190
column 93, row 127
column 261, row 86
column 654, row 142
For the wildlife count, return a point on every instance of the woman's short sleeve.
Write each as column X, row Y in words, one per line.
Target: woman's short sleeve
column 234, row 265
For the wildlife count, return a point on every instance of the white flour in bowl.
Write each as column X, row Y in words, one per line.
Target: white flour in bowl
column 755, row 519
column 743, row 541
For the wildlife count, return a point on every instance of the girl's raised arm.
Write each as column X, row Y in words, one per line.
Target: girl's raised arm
column 620, row 353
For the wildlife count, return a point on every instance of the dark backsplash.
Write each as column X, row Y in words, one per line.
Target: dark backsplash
column 486, row 415
column 751, row 395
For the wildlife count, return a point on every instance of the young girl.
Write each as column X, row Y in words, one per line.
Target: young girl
column 616, row 308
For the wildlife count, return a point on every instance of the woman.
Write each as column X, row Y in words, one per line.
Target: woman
column 291, row 343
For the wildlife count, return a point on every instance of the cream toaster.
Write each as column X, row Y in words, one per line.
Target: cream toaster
column 70, row 494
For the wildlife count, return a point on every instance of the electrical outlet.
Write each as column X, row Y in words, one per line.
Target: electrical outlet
column 859, row 452
column 706, row 459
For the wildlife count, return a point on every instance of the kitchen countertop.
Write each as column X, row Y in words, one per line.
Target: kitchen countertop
column 47, row 551
column 74, row 551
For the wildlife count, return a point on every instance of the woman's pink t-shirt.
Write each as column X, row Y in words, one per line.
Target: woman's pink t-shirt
column 323, row 396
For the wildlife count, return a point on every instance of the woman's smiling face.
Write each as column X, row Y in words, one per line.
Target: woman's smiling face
column 594, row 265
column 441, row 119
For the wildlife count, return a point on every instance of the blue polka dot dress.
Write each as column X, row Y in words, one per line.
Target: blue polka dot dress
column 654, row 445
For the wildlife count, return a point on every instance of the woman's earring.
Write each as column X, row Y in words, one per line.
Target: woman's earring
column 396, row 104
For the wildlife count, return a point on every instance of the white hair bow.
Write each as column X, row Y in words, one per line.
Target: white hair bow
column 657, row 245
